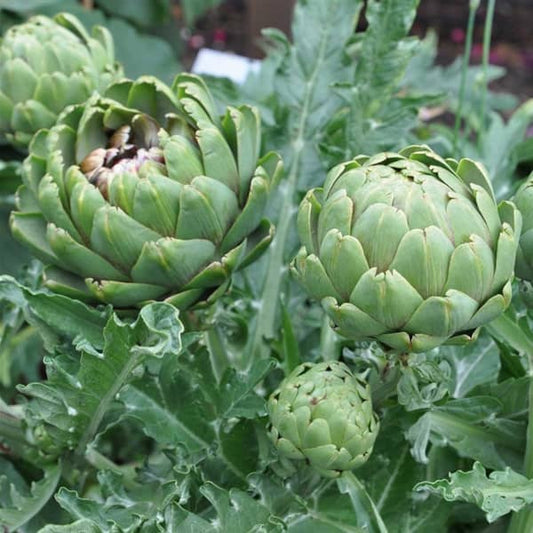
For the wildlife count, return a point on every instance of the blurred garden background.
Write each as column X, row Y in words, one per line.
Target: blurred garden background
column 163, row 36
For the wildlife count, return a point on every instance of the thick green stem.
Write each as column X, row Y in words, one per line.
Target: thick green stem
column 522, row 522
column 474, row 4
column 487, row 35
column 276, row 273
column 329, row 342
column 217, row 352
column 266, row 317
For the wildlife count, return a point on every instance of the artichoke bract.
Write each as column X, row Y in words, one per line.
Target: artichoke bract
column 146, row 194
column 47, row 64
column 524, row 257
column 322, row 413
column 408, row 249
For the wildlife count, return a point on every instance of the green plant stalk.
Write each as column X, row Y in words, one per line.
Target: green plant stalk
column 508, row 330
column 466, row 60
column 266, row 317
column 522, row 522
column 217, row 352
column 367, row 514
column 487, row 34
column 329, row 343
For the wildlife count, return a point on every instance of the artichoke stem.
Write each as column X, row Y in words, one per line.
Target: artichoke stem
column 522, row 522
column 217, row 352
column 329, row 342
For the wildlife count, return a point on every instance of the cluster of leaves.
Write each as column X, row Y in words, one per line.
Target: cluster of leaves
column 114, row 423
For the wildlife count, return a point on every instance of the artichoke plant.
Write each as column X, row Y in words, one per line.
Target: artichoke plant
column 408, row 249
column 524, row 257
column 145, row 194
column 323, row 413
column 47, row 64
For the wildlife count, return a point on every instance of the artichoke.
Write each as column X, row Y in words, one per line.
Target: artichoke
column 145, row 194
column 46, row 65
column 524, row 257
column 323, row 413
column 408, row 249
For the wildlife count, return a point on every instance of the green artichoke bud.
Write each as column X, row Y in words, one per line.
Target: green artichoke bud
column 323, row 413
column 145, row 194
column 46, row 65
column 408, row 249
column 524, row 257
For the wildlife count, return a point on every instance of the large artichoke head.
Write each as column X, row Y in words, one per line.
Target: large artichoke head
column 408, row 249
column 524, row 257
column 146, row 193
column 323, row 413
column 47, row 64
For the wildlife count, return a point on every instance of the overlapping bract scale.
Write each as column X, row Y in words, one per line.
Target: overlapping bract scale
column 145, row 193
column 408, row 249
column 47, row 64
column 524, row 257
column 323, row 413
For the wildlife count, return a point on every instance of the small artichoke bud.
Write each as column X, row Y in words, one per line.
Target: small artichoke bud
column 322, row 413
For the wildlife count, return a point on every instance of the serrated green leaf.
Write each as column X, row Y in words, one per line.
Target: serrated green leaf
column 237, row 397
column 76, row 527
column 497, row 494
column 372, row 119
column 424, row 381
column 146, row 505
column 18, row 508
column 472, row 365
column 472, row 427
column 62, row 315
column 390, row 475
column 238, row 512
column 79, row 392
column 184, row 406
column 171, row 409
